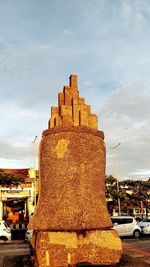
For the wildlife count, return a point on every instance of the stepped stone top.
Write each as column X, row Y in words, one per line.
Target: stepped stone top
column 72, row 110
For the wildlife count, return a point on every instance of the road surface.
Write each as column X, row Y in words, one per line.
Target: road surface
column 13, row 249
column 137, row 251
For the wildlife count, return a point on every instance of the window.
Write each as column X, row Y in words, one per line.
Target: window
column 122, row 220
column 129, row 220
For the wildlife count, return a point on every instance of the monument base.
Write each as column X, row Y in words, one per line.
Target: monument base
column 63, row 249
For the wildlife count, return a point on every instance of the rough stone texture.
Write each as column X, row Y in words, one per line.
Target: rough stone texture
column 63, row 249
column 69, row 103
column 71, row 223
column 72, row 170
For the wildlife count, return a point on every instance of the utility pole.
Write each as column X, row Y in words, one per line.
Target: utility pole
column 1, row 205
column 116, row 174
column 34, row 167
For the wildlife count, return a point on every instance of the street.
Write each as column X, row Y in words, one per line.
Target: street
column 142, row 244
column 136, row 252
column 13, row 248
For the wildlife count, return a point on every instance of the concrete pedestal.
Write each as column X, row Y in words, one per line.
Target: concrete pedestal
column 63, row 249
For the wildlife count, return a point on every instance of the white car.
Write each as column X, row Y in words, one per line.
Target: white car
column 5, row 232
column 28, row 235
column 126, row 226
column 145, row 226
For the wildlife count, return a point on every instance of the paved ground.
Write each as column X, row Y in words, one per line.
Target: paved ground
column 15, row 248
column 136, row 252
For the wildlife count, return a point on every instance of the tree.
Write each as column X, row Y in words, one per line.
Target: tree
column 7, row 179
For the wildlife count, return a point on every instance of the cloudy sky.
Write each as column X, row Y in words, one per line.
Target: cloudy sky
column 107, row 44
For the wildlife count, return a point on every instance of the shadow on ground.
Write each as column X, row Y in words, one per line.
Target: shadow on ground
column 17, row 261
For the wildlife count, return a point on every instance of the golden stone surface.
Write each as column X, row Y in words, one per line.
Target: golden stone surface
column 73, row 107
column 63, row 248
column 72, row 171
column 71, row 222
column 61, row 147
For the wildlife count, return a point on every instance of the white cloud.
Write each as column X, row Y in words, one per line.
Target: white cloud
column 126, row 119
column 106, row 43
column 67, row 32
column 138, row 21
column 15, row 164
column 133, row 14
column 126, row 10
column 10, row 151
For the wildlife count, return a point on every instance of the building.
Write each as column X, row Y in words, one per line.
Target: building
column 17, row 199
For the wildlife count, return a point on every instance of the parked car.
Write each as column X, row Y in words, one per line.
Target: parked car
column 5, row 232
column 28, row 235
column 145, row 226
column 126, row 226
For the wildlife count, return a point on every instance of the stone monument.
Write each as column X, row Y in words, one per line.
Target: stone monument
column 71, row 223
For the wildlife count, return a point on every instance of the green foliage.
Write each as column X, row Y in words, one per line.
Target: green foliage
column 7, row 179
column 140, row 190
